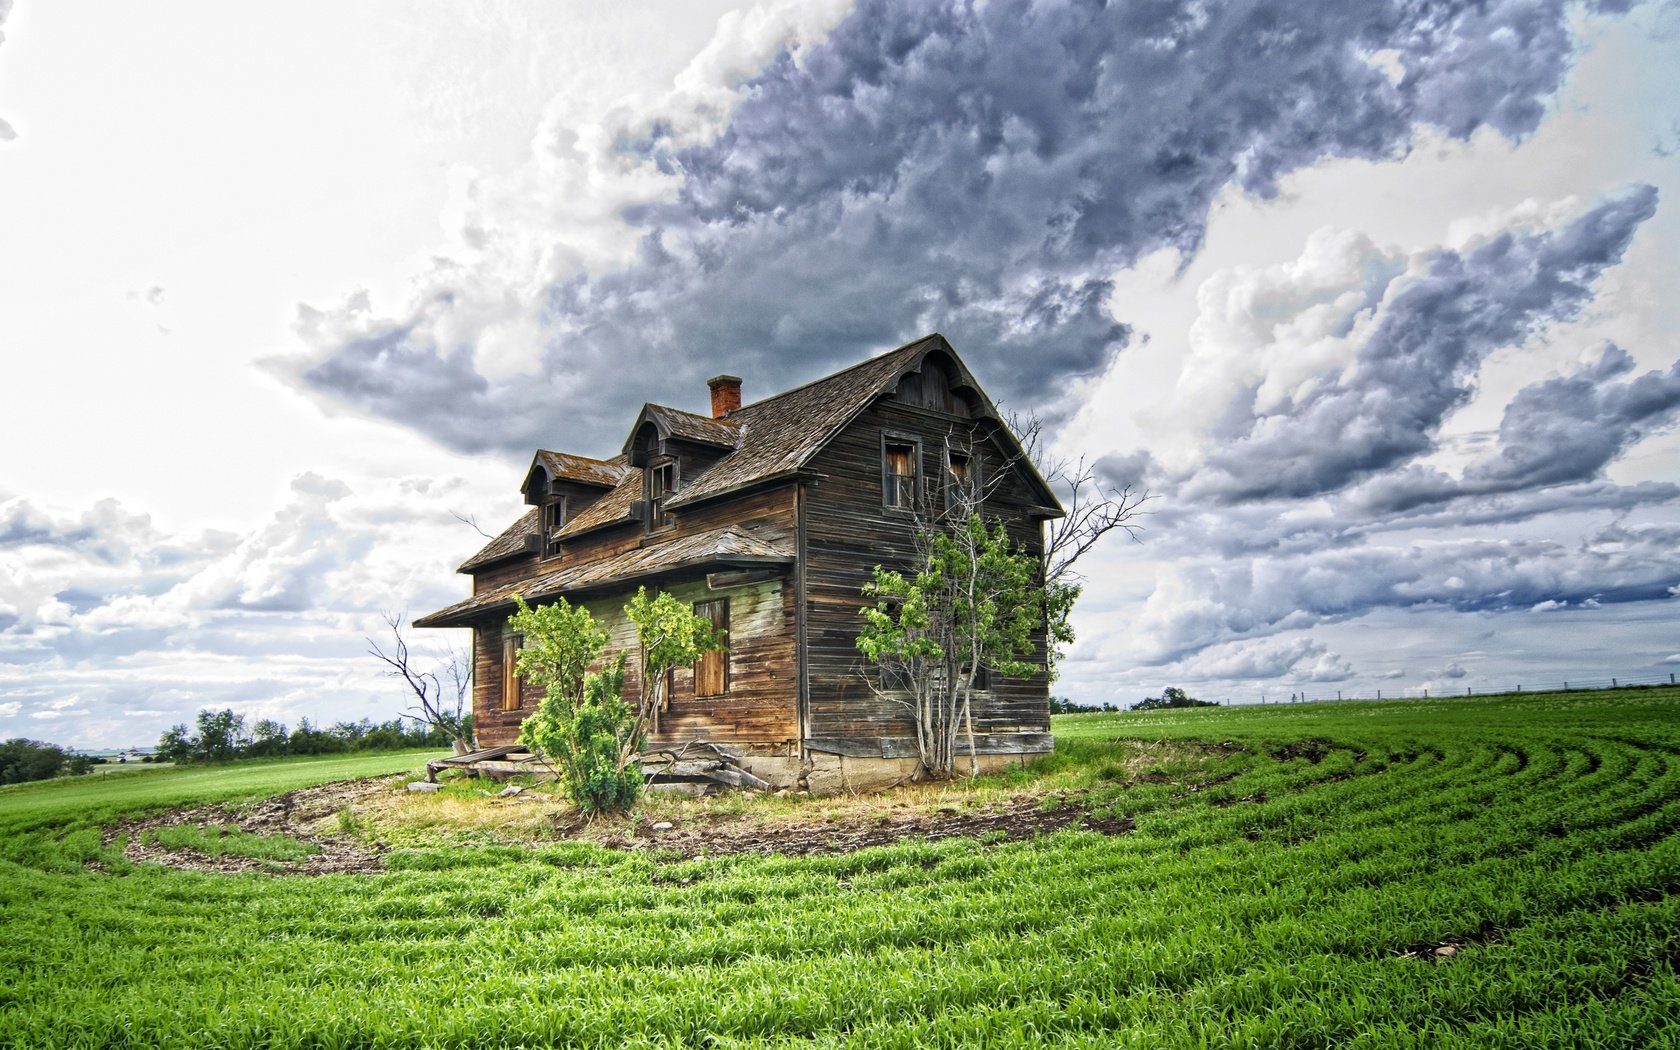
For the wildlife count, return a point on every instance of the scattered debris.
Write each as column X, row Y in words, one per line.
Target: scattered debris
column 304, row 815
column 314, row 815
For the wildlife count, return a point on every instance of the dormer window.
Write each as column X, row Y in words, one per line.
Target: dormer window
column 661, row 486
column 553, row 520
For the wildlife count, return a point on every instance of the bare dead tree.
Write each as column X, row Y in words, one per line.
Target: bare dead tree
column 472, row 521
column 435, row 708
column 1093, row 510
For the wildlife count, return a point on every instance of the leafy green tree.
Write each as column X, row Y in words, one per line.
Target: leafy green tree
column 176, row 744
column 23, row 760
column 668, row 634
column 268, row 739
column 973, row 602
column 306, row 739
column 220, row 735
column 583, row 725
column 582, row 718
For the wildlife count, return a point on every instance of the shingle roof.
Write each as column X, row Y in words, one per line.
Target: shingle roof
column 780, row 433
column 510, row 542
column 721, row 433
column 604, row 473
column 772, row 438
column 731, row 545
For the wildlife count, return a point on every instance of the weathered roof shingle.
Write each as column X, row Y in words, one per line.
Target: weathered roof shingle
column 773, row 438
column 731, row 545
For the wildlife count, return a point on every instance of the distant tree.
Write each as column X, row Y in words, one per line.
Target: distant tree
column 308, row 740
column 220, row 736
column 1062, row 706
column 268, row 739
column 176, row 744
column 1171, row 697
column 24, row 760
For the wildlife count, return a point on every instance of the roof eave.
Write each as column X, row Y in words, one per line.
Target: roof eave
column 455, row 616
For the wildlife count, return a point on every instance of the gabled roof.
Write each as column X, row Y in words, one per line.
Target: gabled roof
column 688, row 426
column 730, row 546
column 780, row 434
column 770, row 439
column 601, row 473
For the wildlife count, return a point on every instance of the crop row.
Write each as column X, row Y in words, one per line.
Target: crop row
column 1491, row 873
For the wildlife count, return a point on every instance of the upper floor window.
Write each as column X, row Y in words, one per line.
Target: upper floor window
column 553, row 520
column 962, row 481
column 661, row 486
column 898, row 474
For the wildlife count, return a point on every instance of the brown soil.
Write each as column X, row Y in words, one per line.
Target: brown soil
column 298, row 814
column 1021, row 817
column 311, row 815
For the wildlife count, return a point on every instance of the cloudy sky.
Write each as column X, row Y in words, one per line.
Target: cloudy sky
column 1377, row 299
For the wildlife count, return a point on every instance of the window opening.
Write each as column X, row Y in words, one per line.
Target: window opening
column 553, row 520
column 661, row 484
column 962, row 490
column 898, row 475
column 511, row 685
column 711, row 671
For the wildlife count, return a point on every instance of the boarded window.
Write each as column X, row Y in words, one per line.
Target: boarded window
column 511, row 644
column 898, row 475
column 711, row 671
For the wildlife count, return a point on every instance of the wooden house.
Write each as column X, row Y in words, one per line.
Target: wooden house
column 769, row 517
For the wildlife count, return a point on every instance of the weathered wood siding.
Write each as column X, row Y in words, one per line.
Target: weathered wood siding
column 759, row 710
column 848, row 532
column 494, row 575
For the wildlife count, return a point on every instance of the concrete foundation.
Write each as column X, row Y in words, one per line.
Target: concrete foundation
column 823, row 773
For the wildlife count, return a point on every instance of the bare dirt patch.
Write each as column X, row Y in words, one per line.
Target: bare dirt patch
column 1018, row 818
column 817, row 828
column 304, row 815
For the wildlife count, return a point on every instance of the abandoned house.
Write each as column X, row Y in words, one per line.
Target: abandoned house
column 769, row 517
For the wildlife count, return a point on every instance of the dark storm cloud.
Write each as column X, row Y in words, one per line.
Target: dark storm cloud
column 977, row 169
column 1569, row 428
column 1261, row 596
column 1421, row 361
column 1561, row 431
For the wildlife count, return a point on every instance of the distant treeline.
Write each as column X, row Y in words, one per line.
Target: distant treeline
column 221, row 736
column 22, row 760
column 1172, row 696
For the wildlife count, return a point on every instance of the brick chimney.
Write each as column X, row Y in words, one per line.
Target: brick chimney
column 726, row 395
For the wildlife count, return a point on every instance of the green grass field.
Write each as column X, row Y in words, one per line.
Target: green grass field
column 1469, row 872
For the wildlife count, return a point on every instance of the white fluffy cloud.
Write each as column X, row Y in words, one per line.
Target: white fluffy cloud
column 134, row 628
